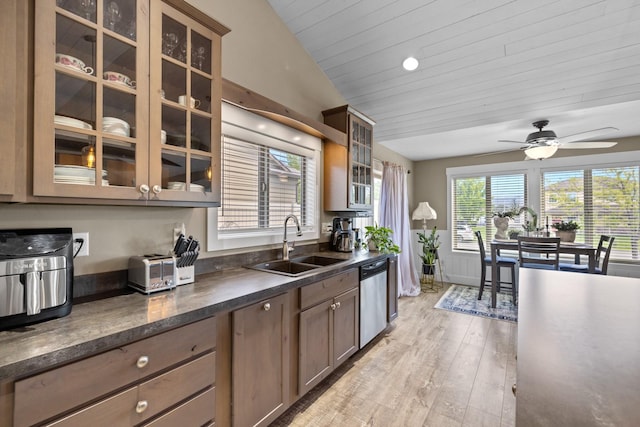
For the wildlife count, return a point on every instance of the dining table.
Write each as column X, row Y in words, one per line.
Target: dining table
column 573, row 248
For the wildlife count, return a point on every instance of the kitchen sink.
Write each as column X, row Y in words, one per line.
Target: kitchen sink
column 296, row 266
column 317, row 260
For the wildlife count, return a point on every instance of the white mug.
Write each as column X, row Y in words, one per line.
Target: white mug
column 194, row 103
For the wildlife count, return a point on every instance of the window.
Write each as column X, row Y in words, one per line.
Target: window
column 601, row 192
column 602, row 201
column 475, row 198
column 269, row 171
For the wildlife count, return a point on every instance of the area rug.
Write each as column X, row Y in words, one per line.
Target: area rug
column 464, row 299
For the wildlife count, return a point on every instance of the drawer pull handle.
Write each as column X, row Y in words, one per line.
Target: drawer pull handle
column 142, row 361
column 266, row 307
column 142, row 406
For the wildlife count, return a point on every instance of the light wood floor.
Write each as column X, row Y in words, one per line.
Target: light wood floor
column 433, row 368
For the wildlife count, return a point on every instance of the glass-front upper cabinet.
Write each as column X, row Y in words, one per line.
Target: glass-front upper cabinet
column 361, row 144
column 185, row 108
column 127, row 100
column 91, row 98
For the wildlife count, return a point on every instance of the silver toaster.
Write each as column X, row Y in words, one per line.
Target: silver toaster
column 152, row 273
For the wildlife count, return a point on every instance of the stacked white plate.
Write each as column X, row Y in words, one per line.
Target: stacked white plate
column 69, row 121
column 182, row 186
column 71, row 174
column 115, row 126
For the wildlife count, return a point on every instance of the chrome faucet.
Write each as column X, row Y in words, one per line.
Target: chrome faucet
column 285, row 246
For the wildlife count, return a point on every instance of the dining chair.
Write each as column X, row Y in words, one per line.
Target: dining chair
column 539, row 252
column 604, row 246
column 485, row 261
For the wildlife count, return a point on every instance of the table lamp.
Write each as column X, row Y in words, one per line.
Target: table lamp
column 424, row 212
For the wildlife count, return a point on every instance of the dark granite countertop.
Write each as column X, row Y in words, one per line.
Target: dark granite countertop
column 100, row 325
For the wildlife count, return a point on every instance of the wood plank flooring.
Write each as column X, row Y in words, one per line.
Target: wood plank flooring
column 432, row 368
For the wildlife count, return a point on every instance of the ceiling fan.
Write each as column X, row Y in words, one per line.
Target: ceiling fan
column 544, row 143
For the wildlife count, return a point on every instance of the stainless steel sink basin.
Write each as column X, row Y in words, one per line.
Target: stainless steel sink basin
column 296, row 266
column 317, row 260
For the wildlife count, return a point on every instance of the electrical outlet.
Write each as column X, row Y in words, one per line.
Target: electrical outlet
column 327, row 227
column 84, row 249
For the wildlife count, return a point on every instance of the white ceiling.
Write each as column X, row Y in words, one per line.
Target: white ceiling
column 488, row 68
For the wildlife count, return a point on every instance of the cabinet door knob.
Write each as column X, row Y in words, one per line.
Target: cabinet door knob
column 142, row 361
column 338, row 304
column 141, row 406
column 266, row 307
column 156, row 189
column 144, row 188
column 333, row 306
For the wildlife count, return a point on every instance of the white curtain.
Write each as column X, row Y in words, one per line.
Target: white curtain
column 394, row 213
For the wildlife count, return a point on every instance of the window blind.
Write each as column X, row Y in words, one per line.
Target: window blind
column 476, row 198
column 601, row 201
column 261, row 185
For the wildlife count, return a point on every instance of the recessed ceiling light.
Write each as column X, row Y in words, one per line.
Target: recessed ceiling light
column 410, row 63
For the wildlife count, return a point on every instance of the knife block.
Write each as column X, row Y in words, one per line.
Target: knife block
column 186, row 275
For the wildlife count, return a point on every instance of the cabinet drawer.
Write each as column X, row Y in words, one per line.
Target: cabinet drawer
column 45, row 395
column 195, row 412
column 328, row 288
column 156, row 395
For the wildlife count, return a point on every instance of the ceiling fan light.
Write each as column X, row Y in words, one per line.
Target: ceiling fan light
column 541, row 151
column 410, row 63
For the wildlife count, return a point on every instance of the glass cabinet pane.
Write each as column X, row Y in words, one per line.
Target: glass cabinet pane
column 75, row 100
column 119, row 111
column 174, row 81
column 200, row 133
column 83, row 8
column 200, row 52
column 119, row 162
column 200, row 174
column 119, row 63
column 174, row 170
column 75, row 46
column 174, row 123
column 174, row 39
column 75, row 159
column 119, row 16
column 201, row 90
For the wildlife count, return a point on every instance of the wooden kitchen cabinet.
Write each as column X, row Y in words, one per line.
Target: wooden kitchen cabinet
column 260, row 362
column 109, row 77
column 152, row 380
column 348, row 171
column 392, row 287
column 329, row 327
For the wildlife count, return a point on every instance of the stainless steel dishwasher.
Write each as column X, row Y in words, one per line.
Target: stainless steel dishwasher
column 373, row 300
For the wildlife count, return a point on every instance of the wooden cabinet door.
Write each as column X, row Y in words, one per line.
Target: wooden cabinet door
column 316, row 345
column 346, row 326
column 392, row 288
column 360, row 163
column 260, row 362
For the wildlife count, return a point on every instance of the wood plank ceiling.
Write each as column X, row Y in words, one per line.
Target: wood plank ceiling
column 488, row 68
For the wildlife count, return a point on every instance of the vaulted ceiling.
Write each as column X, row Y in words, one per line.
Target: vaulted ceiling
column 488, row 68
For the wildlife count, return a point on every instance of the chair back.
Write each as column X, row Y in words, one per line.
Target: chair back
column 539, row 252
column 483, row 252
column 604, row 246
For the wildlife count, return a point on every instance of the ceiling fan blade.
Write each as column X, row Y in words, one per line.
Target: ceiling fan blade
column 586, row 135
column 588, row 144
column 499, row 152
column 509, row 140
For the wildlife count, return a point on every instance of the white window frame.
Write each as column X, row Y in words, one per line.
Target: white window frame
column 533, row 170
column 243, row 124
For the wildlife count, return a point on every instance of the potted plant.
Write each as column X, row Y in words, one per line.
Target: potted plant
column 566, row 230
column 430, row 244
column 379, row 238
column 513, row 234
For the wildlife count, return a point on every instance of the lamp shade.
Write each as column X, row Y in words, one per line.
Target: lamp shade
column 424, row 212
column 541, row 152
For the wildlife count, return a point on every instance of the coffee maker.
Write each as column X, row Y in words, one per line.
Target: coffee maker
column 342, row 235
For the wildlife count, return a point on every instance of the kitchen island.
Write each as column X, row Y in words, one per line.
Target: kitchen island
column 578, row 350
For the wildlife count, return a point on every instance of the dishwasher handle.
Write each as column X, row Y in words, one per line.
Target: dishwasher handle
column 373, row 269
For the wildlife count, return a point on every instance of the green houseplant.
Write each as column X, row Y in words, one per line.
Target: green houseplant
column 380, row 237
column 566, row 230
column 430, row 244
